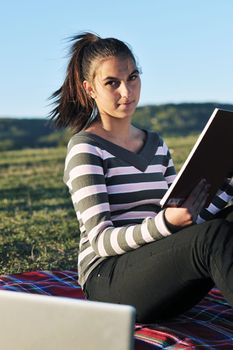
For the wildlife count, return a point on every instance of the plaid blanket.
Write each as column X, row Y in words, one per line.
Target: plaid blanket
column 208, row 325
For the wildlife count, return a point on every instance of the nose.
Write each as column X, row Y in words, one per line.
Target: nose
column 125, row 90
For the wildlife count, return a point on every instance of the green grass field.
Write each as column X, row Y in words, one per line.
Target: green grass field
column 38, row 226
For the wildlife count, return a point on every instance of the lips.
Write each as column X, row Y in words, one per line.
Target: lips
column 126, row 103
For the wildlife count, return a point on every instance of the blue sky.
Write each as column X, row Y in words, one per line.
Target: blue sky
column 184, row 47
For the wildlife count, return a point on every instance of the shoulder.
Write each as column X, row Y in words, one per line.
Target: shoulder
column 155, row 138
column 81, row 138
column 84, row 143
column 81, row 150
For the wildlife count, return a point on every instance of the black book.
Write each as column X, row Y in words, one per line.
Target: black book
column 211, row 158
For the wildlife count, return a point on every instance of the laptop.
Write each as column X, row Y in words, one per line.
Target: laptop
column 38, row 322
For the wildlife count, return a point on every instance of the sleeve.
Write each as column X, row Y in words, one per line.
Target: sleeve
column 170, row 172
column 220, row 200
column 85, row 178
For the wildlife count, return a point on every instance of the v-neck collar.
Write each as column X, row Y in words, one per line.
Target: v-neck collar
column 139, row 160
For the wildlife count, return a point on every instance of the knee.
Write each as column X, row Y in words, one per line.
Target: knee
column 210, row 243
column 226, row 213
column 215, row 234
column 216, row 228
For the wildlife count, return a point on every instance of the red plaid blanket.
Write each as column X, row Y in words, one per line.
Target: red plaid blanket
column 208, row 325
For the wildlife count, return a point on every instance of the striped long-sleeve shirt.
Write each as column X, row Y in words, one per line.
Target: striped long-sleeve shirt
column 116, row 195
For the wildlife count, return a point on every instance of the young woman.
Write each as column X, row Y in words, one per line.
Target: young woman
column 131, row 251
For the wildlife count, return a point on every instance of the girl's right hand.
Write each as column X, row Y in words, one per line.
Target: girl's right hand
column 188, row 212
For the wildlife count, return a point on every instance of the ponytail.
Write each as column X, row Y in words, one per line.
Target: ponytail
column 73, row 106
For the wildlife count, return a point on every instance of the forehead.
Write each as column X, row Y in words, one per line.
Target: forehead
column 117, row 67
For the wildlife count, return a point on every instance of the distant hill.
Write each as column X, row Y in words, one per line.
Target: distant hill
column 176, row 119
column 168, row 119
column 29, row 133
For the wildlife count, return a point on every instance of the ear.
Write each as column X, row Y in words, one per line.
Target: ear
column 89, row 88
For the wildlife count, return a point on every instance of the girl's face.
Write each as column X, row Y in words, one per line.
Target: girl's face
column 116, row 87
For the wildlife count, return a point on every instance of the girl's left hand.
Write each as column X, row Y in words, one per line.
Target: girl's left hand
column 188, row 212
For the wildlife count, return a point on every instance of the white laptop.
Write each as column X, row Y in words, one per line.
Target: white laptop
column 38, row 322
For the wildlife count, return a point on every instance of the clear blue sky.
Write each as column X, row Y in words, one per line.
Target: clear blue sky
column 184, row 47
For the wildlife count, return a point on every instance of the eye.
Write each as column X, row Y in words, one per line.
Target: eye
column 113, row 83
column 133, row 77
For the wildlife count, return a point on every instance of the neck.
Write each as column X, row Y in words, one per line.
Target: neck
column 119, row 132
column 119, row 129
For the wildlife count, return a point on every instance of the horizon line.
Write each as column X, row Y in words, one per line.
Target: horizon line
column 2, row 116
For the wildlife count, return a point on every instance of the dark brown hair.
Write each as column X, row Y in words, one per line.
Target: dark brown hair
column 73, row 106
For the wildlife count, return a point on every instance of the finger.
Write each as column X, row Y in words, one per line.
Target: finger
column 201, row 199
column 194, row 195
column 200, row 202
column 199, row 187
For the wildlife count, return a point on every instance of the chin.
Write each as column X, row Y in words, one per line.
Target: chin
column 126, row 116
column 128, row 110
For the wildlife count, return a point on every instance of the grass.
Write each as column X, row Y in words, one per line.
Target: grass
column 38, row 226
column 38, row 229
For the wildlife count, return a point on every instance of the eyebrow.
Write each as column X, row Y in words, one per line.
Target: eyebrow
column 135, row 71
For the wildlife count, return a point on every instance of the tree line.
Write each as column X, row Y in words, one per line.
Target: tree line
column 168, row 119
